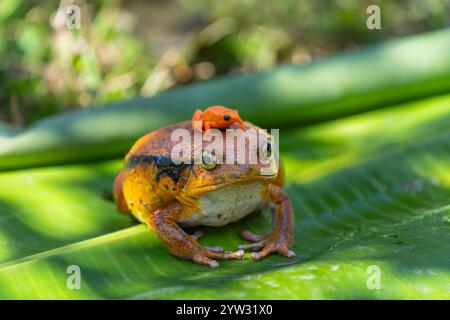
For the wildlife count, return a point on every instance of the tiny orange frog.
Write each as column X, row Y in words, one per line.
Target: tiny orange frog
column 218, row 117
column 167, row 196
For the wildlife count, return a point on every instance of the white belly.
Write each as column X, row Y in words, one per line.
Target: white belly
column 226, row 205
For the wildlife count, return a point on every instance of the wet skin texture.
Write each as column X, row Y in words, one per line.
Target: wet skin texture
column 165, row 195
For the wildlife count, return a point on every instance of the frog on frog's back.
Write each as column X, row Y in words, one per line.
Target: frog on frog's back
column 164, row 195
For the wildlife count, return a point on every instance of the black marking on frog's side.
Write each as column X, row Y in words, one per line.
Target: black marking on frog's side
column 165, row 166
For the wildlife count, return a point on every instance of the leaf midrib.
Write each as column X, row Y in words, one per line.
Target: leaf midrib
column 76, row 246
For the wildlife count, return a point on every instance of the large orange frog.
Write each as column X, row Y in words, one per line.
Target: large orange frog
column 165, row 196
column 217, row 117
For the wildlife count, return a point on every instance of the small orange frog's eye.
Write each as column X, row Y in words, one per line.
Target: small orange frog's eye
column 226, row 117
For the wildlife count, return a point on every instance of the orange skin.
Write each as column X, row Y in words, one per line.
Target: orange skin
column 162, row 194
column 218, row 117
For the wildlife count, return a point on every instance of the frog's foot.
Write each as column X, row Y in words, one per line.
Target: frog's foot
column 215, row 249
column 197, row 234
column 269, row 247
column 208, row 257
column 266, row 246
column 181, row 244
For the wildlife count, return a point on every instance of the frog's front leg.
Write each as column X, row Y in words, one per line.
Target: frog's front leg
column 182, row 245
column 281, row 239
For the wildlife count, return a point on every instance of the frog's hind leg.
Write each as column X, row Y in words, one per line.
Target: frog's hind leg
column 119, row 198
column 207, row 125
column 198, row 116
column 182, row 245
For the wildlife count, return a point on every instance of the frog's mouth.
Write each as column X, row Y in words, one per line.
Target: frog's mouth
column 220, row 185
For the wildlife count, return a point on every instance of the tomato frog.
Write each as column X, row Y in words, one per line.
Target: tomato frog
column 168, row 196
column 217, row 117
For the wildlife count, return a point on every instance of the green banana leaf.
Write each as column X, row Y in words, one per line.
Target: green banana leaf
column 370, row 192
column 403, row 69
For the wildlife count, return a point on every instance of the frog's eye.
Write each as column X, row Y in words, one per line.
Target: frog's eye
column 268, row 149
column 208, row 160
column 265, row 150
column 226, row 117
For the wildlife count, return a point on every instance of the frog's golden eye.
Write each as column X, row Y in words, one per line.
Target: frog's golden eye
column 268, row 149
column 208, row 160
column 226, row 117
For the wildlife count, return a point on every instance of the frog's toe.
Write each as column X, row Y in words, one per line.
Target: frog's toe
column 197, row 234
column 230, row 255
column 201, row 259
column 252, row 246
column 215, row 249
column 258, row 242
column 279, row 248
column 250, row 236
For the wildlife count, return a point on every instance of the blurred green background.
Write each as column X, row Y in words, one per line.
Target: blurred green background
column 130, row 48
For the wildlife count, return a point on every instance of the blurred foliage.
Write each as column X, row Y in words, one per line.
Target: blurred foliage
column 400, row 70
column 129, row 48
